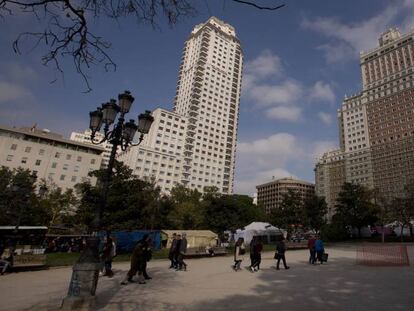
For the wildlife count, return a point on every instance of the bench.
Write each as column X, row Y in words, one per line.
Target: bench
column 297, row 245
column 202, row 252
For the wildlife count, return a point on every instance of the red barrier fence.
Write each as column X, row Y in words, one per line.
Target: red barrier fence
column 382, row 255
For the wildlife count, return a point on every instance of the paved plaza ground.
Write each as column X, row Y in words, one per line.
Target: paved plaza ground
column 210, row 284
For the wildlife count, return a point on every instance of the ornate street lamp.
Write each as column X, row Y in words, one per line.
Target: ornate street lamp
column 86, row 270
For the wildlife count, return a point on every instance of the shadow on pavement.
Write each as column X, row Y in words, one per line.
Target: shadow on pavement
column 338, row 285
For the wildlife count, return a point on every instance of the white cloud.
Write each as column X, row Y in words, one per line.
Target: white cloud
column 273, row 150
column 286, row 92
column 325, row 117
column 348, row 39
column 276, row 155
column 321, row 92
column 10, row 92
column 266, row 64
column 259, row 160
column 318, row 148
column 284, row 113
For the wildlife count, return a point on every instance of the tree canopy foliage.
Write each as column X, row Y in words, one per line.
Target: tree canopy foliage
column 355, row 207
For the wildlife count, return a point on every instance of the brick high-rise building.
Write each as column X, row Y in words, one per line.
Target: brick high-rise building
column 377, row 125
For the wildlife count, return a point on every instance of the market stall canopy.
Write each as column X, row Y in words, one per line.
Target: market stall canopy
column 266, row 231
column 195, row 238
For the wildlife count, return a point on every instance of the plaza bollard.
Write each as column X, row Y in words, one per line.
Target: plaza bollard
column 84, row 280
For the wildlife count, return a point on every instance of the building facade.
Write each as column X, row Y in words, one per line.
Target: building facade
column 330, row 175
column 270, row 195
column 160, row 156
column 387, row 73
column 85, row 138
column 208, row 94
column 49, row 155
column 195, row 144
column 376, row 126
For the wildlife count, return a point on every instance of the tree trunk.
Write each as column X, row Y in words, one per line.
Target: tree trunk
column 402, row 232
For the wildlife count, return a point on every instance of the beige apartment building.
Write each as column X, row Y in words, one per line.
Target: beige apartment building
column 270, row 195
column 51, row 156
column 377, row 125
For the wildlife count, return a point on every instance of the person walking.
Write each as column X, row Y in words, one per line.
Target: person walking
column 147, row 256
column 320, row 249
column 280, row 253
column 239, row 251
column 252, row 253
column 312, row 251
column 108, row 253
column 137, row 262
column 181, row 254
column 258, row 253
column 171, row 253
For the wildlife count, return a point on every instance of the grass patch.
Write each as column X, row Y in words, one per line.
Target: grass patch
column 61, row 259
column 68, row 259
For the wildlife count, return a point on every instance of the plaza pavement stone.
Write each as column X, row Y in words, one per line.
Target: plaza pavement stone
column 211, row 284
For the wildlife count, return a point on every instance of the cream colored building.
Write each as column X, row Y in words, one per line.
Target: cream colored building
column 49, row 155
column 208, row 94
column 195, row 145
column 330, row 175
column 270, row 195
column 160, row 156
column 85, row 138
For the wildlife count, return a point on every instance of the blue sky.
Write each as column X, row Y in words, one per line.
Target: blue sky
column 300, row 61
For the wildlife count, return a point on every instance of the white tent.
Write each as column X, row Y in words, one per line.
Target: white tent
column 262, row 229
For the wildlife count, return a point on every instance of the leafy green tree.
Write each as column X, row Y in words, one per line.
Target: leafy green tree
column 402, row 208
column 354, row 206
column 130, row 202
column 290, row 214
column 57, row 204
column 18, row 198
column 315, row 209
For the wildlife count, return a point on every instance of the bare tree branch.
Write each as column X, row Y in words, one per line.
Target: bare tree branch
column 64, row 27
column 260, row 7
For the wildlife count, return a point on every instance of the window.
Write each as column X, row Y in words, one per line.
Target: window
column 93, row 161
column 41, row 151
column 79, row 159
column 68, row 156
column 54, row 164
column 27, row 149
column 24, row 160
column 38, row 162
column 9, row 158
column 13, row 147
column 65, row 167
column 57, row 155
column 76, row 168
column 73, row 179
column 62, row 177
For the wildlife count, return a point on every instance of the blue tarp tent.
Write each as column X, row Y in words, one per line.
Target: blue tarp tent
column 126, row 240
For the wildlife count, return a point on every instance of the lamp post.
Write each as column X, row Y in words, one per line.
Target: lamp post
column 120, row 134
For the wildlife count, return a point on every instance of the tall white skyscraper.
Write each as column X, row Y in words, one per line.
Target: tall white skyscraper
column 195, row 145
column 208, row 94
